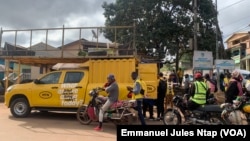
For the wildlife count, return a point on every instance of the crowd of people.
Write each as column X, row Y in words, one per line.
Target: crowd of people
column 204, row 85
column 198, row 90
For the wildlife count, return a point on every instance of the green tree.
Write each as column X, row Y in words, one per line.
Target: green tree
column 162, row 27
column 207, row 28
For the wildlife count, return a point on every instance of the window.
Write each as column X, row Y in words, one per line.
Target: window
column 41, row 70
column 26, row 70
column 235, row 53
column 26, row 73
column 243, row 49
column 243, row 53
column 73, row 77
column 52, row 78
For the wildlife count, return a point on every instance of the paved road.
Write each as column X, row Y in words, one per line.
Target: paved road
column 52, row 126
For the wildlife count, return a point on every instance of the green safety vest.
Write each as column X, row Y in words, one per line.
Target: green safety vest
column 200, row 92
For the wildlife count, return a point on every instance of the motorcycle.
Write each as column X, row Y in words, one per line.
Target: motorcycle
column 208, row 114
column 237, row 113
column 120, row 113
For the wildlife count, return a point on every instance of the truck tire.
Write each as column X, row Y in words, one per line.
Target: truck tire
column 82, row 115
column 20, row 108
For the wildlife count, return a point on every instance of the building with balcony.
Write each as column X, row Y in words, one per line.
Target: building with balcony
column 239, row 47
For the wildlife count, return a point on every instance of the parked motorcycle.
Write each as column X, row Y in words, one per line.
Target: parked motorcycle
column 205, row 115
column 120, row 113
column 237, row 113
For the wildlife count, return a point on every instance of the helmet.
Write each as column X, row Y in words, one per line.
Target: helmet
column 197, row 75
column 111, row 77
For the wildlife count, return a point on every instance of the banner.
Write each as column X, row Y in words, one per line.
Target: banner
column 225, row 64
column 203, row 60
column 187, row 132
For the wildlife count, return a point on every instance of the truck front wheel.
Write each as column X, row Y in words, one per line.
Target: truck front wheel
column 20, row 108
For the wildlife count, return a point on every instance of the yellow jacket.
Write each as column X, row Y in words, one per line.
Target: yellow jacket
column 170, row 88
column 226, row 82
column 143, row 86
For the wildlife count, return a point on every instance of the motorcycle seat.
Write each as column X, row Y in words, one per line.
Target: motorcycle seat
column 114, row 105
column 210, row 108
column 117, row 104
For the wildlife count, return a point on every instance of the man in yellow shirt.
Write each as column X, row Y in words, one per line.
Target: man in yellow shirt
column 180, row 75
column 226, row 80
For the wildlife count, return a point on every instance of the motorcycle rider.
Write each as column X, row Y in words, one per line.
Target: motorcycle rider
column 198, row 92
column 111, row 87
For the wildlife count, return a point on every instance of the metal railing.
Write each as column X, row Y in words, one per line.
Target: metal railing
column 47, row 34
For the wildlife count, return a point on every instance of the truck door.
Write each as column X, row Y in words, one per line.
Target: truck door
column 45, row 90
column 72, row 89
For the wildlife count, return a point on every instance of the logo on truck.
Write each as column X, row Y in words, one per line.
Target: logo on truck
column 150, row 88
column 45, row 95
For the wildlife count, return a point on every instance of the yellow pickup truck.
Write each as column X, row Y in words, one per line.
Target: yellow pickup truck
column 66, row 90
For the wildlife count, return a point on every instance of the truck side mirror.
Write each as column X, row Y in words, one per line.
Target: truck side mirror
column 36, row 81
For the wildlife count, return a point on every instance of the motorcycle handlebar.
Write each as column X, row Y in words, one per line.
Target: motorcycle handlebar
column 100, row 88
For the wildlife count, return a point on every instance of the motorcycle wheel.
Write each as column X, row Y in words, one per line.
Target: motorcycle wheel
column 248, row 118
column 217, row 120
column 82, row 115
column 171, row 117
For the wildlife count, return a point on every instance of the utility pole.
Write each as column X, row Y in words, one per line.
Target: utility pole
column 1, row 33
column 217, row 47
column 134, row 48
column 195, row 23
column 194, row 45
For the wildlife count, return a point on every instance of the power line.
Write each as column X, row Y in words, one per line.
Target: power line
column 231, row 5
column 243, row 25
column 241, row 29
column 243, row 18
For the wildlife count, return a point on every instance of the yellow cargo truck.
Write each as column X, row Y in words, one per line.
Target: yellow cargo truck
column 66, row 90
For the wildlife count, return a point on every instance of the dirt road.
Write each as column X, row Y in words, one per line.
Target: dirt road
column 53, row 126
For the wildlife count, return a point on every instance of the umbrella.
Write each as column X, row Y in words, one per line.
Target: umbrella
column 60, row 66
column 3, row 68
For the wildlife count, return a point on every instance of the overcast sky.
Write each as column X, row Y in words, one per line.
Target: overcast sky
column 234, row 16
column 26, row 14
